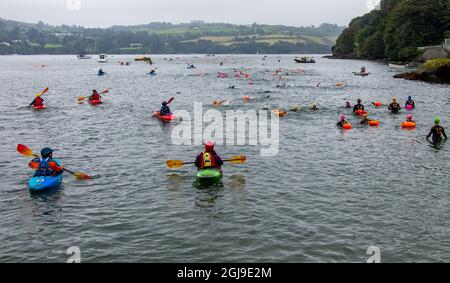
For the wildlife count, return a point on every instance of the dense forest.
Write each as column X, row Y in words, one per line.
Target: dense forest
column 165, row 38
column 395, row 30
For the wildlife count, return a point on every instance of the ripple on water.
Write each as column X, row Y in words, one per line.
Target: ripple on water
column 326, row 197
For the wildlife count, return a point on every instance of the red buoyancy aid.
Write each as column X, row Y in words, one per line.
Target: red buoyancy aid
column 95, row 96
column 38, row 101
column 207, row 160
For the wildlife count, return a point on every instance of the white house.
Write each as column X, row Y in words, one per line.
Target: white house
column 136, row 45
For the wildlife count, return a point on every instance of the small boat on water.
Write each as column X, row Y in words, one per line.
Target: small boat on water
column 397, row 66
column 84, row 56
column 305, row 60
column 361, row 74
column 102, row 58
column 144, row 59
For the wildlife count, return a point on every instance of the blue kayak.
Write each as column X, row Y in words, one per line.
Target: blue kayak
column 42, row 183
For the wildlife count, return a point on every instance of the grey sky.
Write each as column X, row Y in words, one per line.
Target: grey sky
column 104, row 13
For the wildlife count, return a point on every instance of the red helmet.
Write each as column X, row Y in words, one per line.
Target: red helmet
column 209, row 146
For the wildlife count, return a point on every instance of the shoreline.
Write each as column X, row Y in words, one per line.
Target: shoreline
column 420, row 74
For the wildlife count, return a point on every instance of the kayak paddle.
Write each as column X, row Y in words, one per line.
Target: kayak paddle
column 239, row 159
column 80, row 98
column 44, row 91
column 26, row 151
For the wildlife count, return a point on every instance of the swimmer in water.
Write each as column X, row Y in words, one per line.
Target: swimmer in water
column 437, row 132
column 347, row 105
column 394, row 106
column 358, row 106
column 342, row 122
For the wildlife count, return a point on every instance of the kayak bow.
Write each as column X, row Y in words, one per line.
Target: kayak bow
column 43, row 183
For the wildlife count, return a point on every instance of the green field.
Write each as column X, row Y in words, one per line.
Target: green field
column 270, row 39
column 50, row 46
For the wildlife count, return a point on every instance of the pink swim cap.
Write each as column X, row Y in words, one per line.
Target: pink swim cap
column 409, row 117
column 342, row 118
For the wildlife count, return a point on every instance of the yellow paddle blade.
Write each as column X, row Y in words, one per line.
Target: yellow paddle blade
column 44, row 91
column 82, row 176
column 24, row 150
column 80, row 98
column 175, row 163
column 239, row 159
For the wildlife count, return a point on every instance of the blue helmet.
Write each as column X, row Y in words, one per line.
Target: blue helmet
column 46, row 151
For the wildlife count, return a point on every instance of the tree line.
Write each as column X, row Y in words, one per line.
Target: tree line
column 156, row 38
column 395, row 30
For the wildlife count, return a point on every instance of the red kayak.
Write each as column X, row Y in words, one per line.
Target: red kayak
column 164, row 118
column 95, row 102
column 39, row 107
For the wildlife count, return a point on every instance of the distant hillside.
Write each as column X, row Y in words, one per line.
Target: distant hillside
column 166, row 38
column 395, row 30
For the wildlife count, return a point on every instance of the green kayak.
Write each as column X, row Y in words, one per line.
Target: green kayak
column 208, row 177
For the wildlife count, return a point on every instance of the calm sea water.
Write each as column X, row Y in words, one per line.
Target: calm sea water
column 326, row 197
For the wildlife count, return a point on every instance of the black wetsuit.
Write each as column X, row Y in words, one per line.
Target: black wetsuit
column 394, row 107
column 365, row 122
column 437, row 132
column 341, row 123
column 410, row 102
column 357, row 107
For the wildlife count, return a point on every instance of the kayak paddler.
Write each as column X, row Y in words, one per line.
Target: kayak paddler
column 95, row 96
column 209, row 158
column 100, row 72
column 38, row 101
column 46, row 165
column 165, row 110
column 394, row 106
column 437, row 132
column 358, row 106
column 410, row 102
column 342, row 122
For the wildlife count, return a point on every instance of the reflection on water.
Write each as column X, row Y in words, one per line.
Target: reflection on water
column 205, row 197
column 236, row 182
column 174, row 181
column 437, row 146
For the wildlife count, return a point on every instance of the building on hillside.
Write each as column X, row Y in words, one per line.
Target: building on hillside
column 136, row 45
column 435, row 52
column 62, row 34
column 5, row 44
column 447, row 45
